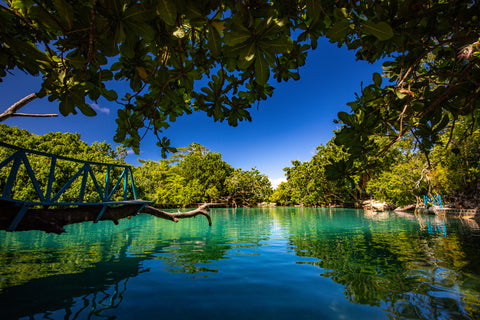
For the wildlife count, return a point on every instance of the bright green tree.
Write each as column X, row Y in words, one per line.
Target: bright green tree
column 308, row 183
column 248, row 187
column 192, row 175
column 64, row 144
column 456, row 163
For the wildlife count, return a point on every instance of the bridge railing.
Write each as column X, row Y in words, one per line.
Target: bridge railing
column 435, row 200
column 44, row 191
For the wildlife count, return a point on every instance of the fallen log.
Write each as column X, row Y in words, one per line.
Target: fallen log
column 54, row 220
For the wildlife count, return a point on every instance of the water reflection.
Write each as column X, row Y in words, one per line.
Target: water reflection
column 410, row 266
column 85, row 272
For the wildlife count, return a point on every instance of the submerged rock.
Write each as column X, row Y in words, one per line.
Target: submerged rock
column 410, row 207
column 267, row 204
column 378, row 205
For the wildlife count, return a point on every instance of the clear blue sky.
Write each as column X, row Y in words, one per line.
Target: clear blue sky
column 289, row 126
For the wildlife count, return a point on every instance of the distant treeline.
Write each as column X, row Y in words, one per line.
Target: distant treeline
column 401, row 176
column 194, row 174
column 191, row 175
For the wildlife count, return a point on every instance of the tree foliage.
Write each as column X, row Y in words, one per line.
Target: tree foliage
column 219, row 57
column 216, row 56
column 432, row 70
column 64, row 144
column 161, row 49
column 401, row 176
column 192, row 175
column 248, row 187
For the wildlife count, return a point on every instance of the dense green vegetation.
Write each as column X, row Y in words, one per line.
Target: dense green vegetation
column 414, row 134
column 401, row 176
column 64, row 144
column 192, row 175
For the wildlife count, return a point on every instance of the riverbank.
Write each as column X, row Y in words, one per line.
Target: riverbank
column 473, row 213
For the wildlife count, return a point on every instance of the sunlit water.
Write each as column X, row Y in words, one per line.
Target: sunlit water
column 279, row 263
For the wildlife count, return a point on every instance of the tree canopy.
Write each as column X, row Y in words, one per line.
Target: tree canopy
column 432, row 68
column 175, row 56
column 219, row 57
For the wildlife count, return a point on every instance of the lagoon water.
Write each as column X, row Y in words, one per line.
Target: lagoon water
column 278, row 263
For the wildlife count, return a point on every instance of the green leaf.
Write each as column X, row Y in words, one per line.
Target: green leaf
column 381, row 30
column 238, row 35
column 167, row 10
column 66, row 107
column 377, row 79
column 142, row 73
column 344, row 117
column 87, row 110
column 214, row 41
column 277, row 46
column 339, row 31
column 262, row 70
column 400, row 95
column 44, row 18
column 65, row 12
column 314, row 10
column 340, row 13
column 194, row 11
column 247, row 53
column 110, row 95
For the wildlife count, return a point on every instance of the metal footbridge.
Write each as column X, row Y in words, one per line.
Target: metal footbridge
column 107, row 191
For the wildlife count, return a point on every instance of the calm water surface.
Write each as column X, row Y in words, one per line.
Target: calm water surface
column 279, row 263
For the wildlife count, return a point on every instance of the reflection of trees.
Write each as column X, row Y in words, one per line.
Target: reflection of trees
column 85, row 272
column 415, row 273
column 100, row 287
column 191, row 248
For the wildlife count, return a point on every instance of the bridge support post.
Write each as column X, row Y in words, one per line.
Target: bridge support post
column 18, row 218
column 104, row 207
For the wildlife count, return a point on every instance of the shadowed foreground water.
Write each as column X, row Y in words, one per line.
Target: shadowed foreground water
column 279, row 263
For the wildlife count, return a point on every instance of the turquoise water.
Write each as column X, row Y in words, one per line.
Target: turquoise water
column 279, row 263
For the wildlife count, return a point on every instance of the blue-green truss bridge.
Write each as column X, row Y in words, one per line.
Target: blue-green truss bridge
column 98, row 191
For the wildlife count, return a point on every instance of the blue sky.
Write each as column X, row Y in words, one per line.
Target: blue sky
column 289, row 126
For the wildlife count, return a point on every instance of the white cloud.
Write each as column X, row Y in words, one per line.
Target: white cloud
column 277, row 181
column 100, row 109
column 130, row 152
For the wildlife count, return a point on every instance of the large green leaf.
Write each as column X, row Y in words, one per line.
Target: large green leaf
column 344, row 117
column 381, row 30
column 87, row 110
column 262, row 70
column 214, row 41
column 66, row 107
column 248, row 52
column 65, row 12
column 238, row 35
column 167, row 9
column 377, row 79
column 277, row 46
column 339, row 31
column 314, row 9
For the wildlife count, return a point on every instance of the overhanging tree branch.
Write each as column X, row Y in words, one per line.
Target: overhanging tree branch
column 12, row 110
